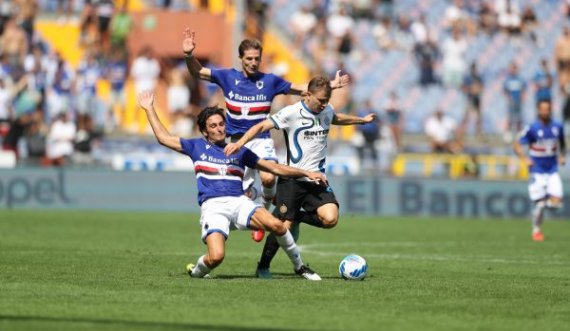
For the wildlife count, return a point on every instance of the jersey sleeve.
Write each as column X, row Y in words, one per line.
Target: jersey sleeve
column 249, row 158
column 280, row 85
column 187, row 146
column 282, row 118
column 219, row 76
column 525, row 136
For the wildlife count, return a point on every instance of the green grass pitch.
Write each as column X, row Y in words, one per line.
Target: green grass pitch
column 125, row 271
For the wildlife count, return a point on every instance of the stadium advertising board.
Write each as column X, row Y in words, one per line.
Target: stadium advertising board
column 176, row 191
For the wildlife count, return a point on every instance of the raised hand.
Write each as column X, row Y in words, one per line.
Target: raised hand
column 340, row 81
column 369, row 118
column 189, row 42
column 146, row 99
column 232, row 148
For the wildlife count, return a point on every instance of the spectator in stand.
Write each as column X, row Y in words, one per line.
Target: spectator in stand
column 178, row 100
column 121, row 25
column 454, row 52
column 456, row 17
column 420, row 30
column 529, row 23
column 88, row 106
column 338, row 25
column 543, row 81
column 104, row 11
column 5, row 107
column 394, row 117
column 441, row 131
column 302, row 23
column 562, row 56
column 514, row 88
column 27, row 11
column 36, row 139
column 487, row 18
column 403, row 35
column 362, row 9
column 59, row 94
column 36, row 66
column 370, row 133
column 60, row 139
column 145, row 70
column 116, row 73
column 6, row 11
column 510, row 20
column 14, row 42
column 426, row 56
column 473, row 89
column 384, row 34
column 86, row 20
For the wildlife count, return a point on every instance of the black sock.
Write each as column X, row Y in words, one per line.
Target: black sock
column 310, row 218
column 269, row 250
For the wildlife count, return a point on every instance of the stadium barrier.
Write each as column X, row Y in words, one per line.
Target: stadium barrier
column 176, row 191
column 490, row 167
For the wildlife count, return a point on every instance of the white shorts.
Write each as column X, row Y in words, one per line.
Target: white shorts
column 226, row 213
column 541, row 186
column 265, row 149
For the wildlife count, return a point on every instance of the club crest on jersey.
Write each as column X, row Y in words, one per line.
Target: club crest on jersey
column 540, row 133
column 259, row 84
column 555, row 131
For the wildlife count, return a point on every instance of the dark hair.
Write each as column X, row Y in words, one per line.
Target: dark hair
column 319, row 83
column 207, row 113
column 249, row 44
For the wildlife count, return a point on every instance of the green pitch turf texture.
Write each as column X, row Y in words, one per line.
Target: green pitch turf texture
column 125, row 271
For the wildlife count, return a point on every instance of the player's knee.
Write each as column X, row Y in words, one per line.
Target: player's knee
column 329, row 222
column 268, row 181
column 277, row 227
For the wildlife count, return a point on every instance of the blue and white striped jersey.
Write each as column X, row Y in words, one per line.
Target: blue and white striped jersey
column 248, row 99
column 544, row 141
column 217, row 175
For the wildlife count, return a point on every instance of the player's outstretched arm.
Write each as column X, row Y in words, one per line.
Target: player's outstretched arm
column 250, row 134
column 146, row 102
column 518, row 149
column 344, row 119
column 339, row 81
column 287, row 171
column 194, row 67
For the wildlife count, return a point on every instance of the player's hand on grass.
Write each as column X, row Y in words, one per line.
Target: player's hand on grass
column 318, row 178
column 232, row 148
column 340, row 81
column 146, row 99
column 189, row 42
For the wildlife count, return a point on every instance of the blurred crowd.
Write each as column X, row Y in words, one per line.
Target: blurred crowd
column 51, row 111
column 324, row 31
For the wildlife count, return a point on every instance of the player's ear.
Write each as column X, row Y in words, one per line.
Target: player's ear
column 305, row 93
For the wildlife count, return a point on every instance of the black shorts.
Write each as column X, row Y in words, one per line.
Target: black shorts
column 292, row 195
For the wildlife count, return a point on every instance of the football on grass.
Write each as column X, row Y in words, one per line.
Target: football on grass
column 353, row 267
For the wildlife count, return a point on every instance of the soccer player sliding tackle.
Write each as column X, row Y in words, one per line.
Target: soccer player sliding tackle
column 220, row 192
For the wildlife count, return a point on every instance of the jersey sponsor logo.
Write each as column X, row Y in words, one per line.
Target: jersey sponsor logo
column 248, row 98
column 316, row 133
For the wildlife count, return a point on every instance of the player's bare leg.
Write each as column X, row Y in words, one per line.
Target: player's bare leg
column 216, row 243
column 268, row 192
column 262, row 218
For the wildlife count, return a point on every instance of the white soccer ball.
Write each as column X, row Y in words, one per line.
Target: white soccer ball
column 353, row 267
